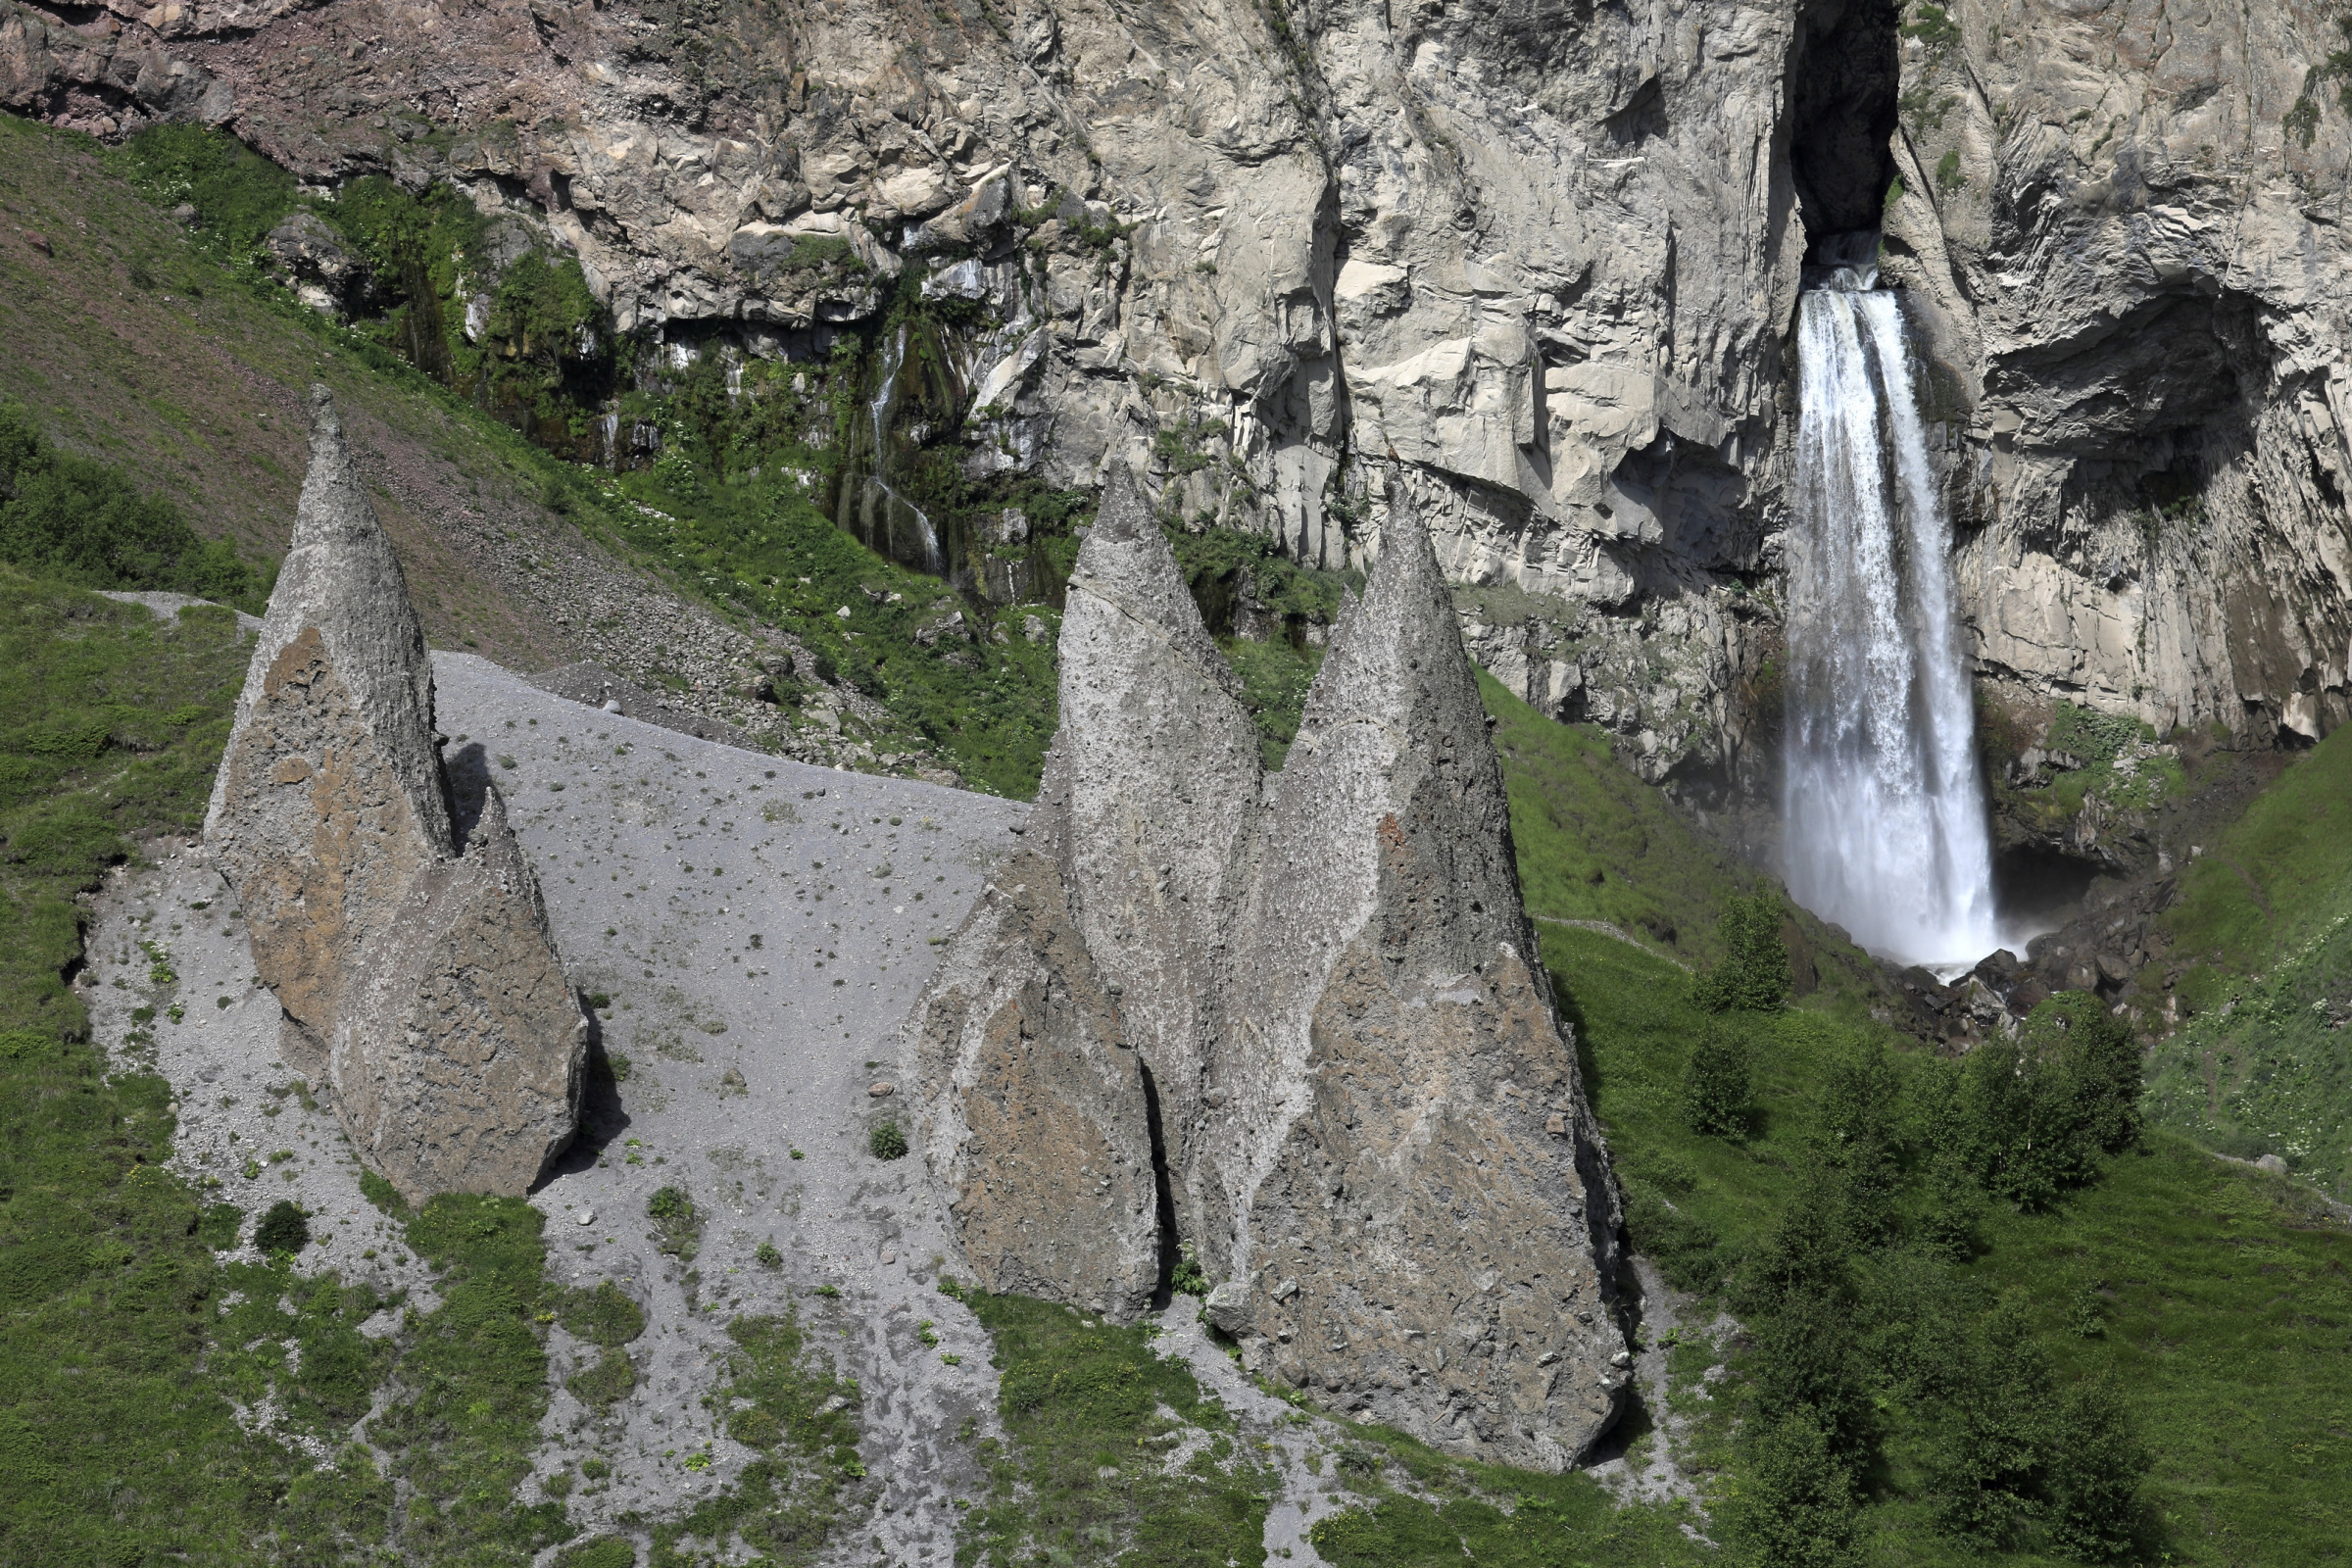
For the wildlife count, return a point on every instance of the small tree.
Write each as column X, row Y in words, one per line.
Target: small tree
column 1795, row 1506
column 2041, row 1109
column 2097, row 1464
column 1715, row 1081
column 1990, row 1467
column 1754, row 972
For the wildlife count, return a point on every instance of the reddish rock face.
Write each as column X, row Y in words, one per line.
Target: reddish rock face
column 421, row 985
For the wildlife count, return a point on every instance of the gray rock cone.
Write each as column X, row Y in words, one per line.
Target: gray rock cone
column 421, row 985
column 1164, row 769
column 1368, row 1115
column 1416, row 1201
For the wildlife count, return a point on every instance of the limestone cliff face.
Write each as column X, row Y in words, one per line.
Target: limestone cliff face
column 1320, row 1012
column 2122, row 228
column 1547, row 259
column 421, row 985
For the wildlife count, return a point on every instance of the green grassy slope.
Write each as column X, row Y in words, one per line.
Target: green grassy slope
column 2264, row 1063
column 2213, row 1299
column 131, row 343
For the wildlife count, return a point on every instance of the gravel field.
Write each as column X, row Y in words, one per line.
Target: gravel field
column 761, row 929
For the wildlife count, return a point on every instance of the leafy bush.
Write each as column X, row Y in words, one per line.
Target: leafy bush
column 1795, row 1506
column 888, row 1141
column 72, row 519
column 2041, row 1109
column 1715, row 1083
column 1754, row 973
column 284, row 1229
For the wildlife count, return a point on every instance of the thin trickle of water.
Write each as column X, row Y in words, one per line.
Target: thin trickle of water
column 1886, row 832
column 611, row 425
column 894, row 354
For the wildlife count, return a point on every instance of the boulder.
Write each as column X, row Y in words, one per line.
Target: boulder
column 419, row 982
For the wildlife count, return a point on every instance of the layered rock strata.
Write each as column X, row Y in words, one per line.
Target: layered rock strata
column 1368, row 1116
column 1550, row 260
column 421, row 985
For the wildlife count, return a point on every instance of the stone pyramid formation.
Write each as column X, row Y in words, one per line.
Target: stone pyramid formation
column 1292, row 1021
column 401, row 928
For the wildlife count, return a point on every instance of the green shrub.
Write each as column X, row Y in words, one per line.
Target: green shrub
column 2016, row 1461
column 888, row 1141
column 1715, row 1082
column 69, row 519
column 2096, row 1514
column 2041, row 1109
column 1754, row 973
column 1795, row 1506
column 284, row 1229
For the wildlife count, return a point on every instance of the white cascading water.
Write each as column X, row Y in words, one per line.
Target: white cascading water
column 878, row 409
column 1885, row 813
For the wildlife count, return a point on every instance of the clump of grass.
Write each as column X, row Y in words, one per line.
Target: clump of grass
column 1078, row 1482
column 284, row 1229
column 677, row 1223
column 790, row 1404
column 887, row 1140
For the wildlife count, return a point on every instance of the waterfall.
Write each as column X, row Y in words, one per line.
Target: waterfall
column 1885, row 810
column 893, row 354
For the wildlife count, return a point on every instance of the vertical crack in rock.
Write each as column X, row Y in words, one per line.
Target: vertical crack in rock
column 420, row 984
column 1373, row 1118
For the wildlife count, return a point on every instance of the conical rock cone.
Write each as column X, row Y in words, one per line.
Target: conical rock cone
column 330, row 816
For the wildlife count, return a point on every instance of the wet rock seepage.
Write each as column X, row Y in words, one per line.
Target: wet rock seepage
column 420, row 986
column 1309, row 1001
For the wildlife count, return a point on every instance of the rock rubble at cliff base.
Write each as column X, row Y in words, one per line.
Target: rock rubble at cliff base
column 1293, row 1023
column 398, row 923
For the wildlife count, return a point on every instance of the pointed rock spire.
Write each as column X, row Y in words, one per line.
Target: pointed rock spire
column 1164, row 768
column 1368, row 1110
column 341, row 577
column 1406, row 1160
column 1079, row 995
column 420, row 990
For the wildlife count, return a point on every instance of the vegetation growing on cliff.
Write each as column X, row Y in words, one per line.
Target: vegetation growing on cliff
column 2264, row 921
